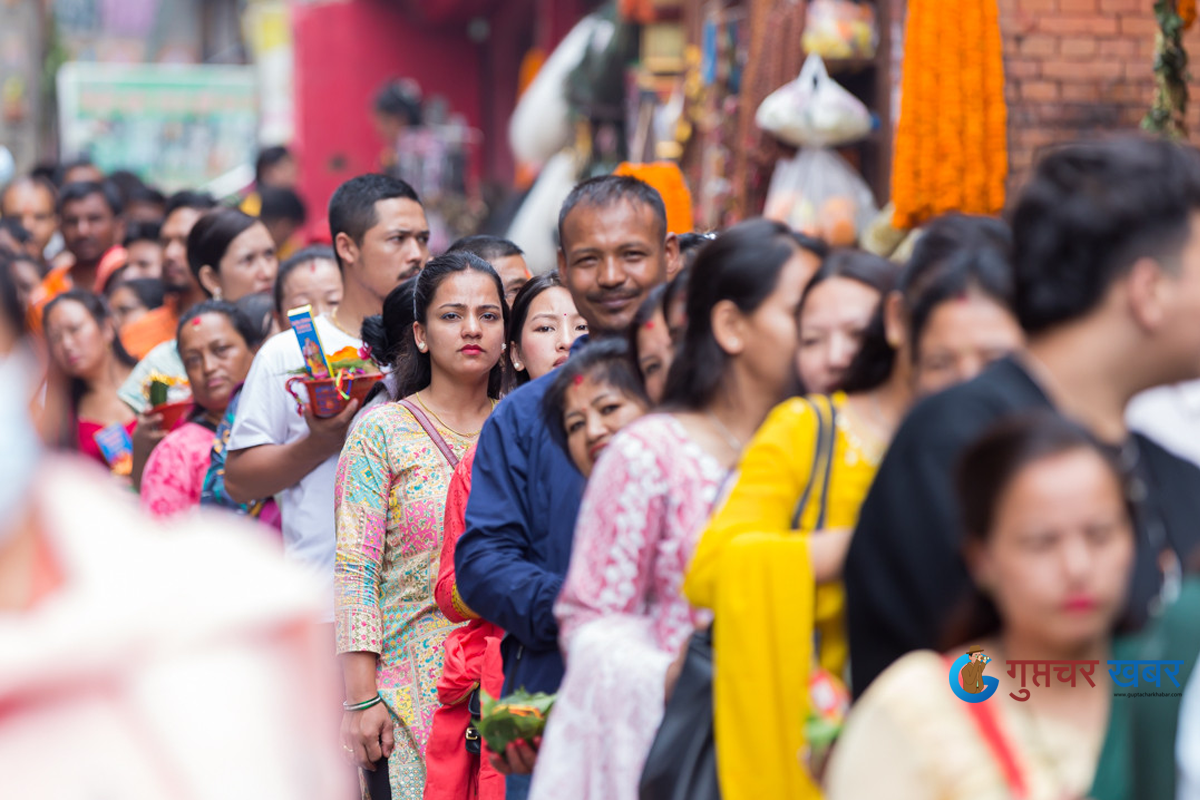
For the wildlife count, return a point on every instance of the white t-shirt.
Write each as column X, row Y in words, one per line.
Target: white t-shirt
column 1170, row 415
column 266, row 414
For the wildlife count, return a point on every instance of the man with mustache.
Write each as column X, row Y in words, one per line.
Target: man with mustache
column 92, row 227
column 380, row 239
column 525, row 492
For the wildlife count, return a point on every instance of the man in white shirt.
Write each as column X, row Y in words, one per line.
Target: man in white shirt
column 381, row 238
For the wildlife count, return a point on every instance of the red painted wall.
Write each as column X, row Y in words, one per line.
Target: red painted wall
column 345, row 51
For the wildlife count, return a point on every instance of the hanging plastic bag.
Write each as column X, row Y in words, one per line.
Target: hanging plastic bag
column 541, row 123
column 818, row 193
column 814, row 110
column 840, row 29
column 536, row 224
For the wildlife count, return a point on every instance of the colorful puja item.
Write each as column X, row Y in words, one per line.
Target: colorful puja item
column 829, row 701
column 331, row 381
column 117, row 447
column 169, row 396
column 519, row 717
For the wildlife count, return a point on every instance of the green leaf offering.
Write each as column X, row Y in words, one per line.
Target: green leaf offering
column 520, row 716
column 158, row 393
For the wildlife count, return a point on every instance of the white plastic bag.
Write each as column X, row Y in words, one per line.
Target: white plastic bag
column 541, row 123
column 814, row 110
column 818, row 193
column 533, row 229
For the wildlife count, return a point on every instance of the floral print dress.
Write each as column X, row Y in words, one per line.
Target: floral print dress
column 390, row 496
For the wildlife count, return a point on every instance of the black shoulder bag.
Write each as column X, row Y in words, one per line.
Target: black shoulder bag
column 682, row 762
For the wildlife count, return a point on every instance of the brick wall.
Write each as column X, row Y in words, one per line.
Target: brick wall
column 1079, row 67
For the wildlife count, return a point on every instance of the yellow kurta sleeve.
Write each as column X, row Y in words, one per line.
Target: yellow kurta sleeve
column 771, row 477
column 756, row 575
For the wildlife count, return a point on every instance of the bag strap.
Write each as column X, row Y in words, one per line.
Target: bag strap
column 1001, row 750
column 822, row 455
column 827, row 462
column 432, row 431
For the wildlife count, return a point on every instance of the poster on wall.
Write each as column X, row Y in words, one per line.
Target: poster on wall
column 176, row 126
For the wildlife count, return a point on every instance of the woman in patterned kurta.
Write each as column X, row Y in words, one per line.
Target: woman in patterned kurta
column 390, row 496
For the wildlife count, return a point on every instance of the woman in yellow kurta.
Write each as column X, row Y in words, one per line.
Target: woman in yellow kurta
column 750, row 550
column 960, row 262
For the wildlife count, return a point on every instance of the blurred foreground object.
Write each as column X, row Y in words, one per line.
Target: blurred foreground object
column 142, row 663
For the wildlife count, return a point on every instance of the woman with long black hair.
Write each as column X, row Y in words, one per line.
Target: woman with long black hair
column 85, row 349
column 390, row 495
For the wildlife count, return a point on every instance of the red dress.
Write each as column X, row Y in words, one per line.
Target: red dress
column 472, row 659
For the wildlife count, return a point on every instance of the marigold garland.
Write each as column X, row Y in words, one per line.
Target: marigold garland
column 951, row 140
column 1187, row 13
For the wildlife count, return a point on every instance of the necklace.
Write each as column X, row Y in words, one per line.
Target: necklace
column 734, row 443
column 433, row 414
column 333, row 318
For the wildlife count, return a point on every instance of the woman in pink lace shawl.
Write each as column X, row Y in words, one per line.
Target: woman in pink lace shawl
column 621, row 613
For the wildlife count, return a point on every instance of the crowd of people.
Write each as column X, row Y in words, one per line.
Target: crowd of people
column 831, row 474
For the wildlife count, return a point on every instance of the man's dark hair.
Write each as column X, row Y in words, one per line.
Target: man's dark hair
column 352, row 207
column 489, row 248
column 400, row 99
column 1090, row 211
column 608, row 190
column 279, row 203
column 142, row 232
column 145, row 194
column 74, row 192
column 266, row 159
column 149, row 291
column 126, row 182
column 46, row 171
column 200, row 201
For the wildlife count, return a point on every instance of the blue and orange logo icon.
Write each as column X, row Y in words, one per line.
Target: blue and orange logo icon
column 967, row 679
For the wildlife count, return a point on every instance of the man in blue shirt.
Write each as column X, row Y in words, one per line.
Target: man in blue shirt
column 525, row 492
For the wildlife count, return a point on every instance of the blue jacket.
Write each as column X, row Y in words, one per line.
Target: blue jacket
column 511, row 560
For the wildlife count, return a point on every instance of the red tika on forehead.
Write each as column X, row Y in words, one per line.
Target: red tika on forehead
column 578, row 379
column 196, row 322
column 649, row 324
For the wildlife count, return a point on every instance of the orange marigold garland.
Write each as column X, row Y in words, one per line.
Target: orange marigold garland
column 926, row 123
column 996, row 119
column 904, row 181
column 950, row 119
column 974, row 181
column 951, row 140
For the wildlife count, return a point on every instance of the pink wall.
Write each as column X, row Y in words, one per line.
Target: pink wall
column 345, row 51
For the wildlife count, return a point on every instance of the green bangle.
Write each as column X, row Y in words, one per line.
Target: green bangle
column 364, row 705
